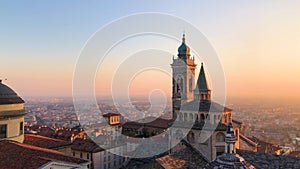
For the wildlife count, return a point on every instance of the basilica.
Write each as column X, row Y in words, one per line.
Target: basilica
column 192, row 104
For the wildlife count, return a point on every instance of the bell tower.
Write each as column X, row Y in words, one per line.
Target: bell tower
column 183, row 68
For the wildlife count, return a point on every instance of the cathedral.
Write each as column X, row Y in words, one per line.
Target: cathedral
column 192, row 104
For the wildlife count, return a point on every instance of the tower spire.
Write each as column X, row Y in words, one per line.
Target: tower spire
column 183, row 38
column 202, row 82
column 202, row 91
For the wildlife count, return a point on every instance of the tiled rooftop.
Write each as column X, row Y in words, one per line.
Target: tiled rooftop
column 270, row 161
column 44, row 142
column 86, row 146
column 16, row 155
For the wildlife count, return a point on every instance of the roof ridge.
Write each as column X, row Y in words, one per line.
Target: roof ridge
column 48, row 138
column 36, row 148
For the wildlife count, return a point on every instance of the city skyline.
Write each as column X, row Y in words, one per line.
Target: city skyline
column 258, row 48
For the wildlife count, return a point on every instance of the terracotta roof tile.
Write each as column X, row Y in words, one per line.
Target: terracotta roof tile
column 16, row 155
column 44, row 142
column 149, row 122
column 86, row 146
column 171, row 162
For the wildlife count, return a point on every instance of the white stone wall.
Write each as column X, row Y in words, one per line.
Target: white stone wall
column 13, row 128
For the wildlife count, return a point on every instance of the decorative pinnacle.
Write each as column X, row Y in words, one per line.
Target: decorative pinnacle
column 183, row 38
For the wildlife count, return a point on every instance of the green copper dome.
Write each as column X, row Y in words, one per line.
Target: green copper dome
column 183, row 49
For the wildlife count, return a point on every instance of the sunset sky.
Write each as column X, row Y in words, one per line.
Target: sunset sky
column 258, row 43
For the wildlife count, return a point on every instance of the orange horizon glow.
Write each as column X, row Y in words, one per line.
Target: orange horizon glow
column 257, row 43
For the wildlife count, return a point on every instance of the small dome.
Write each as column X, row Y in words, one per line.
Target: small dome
column 183, row 48
column 229, row 161
column 8, row 96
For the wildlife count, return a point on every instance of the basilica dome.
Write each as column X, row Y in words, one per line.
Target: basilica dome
column 8, row 96
column 229, row 161
column 12, row 112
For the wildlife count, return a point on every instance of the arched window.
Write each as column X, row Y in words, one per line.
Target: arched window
column 180, row 117
column 191, row 137
column 178, row 134
column 215, row 118
column 185, row 117
column 190, row 84
column 191, row 117
column 173, row 85
column 179, row 85
column 202, row 118
column 220, row 137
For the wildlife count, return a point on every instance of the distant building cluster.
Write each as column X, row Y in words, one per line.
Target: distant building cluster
column 199, row 134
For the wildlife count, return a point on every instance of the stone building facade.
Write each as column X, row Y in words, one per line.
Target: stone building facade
column 193, row 108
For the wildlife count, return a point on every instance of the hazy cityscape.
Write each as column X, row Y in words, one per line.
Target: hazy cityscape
column 264, row 120
column 150, row 84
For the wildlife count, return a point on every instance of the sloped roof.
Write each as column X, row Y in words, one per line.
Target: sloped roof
column 17, row 155
column 187, row 158
column 194, row 159
column 44, row 142
column 148, row 122
column 86, row 146
column 295, row 154
column 246, row 143
column 204, row 106
column 262, row 160
column 171, row 162
column 265, row 147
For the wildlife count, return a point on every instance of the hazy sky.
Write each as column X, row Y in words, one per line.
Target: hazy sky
column 258, row 42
